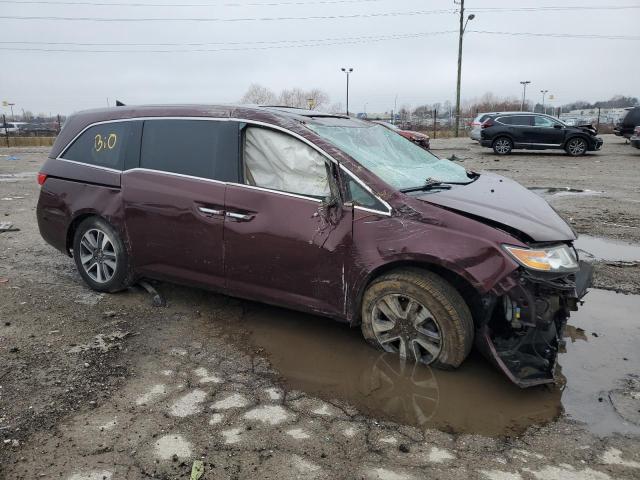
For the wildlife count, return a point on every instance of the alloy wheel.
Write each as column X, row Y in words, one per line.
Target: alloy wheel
column 98, row 256
column 503, row 145
column 577, row 146
column 403, row 325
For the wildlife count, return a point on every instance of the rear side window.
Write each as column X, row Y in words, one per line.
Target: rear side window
column 519, row 120
column 198, row 148
column 113, row 145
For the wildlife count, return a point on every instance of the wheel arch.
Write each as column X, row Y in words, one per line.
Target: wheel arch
column 574, row 135
column 500, row 135
column 78, row 218
column 464, row 286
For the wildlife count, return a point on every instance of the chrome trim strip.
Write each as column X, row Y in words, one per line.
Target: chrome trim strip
column 542, row 144
column 371, row 210
column 295, row 195
column 90, row 165
column 164, row 172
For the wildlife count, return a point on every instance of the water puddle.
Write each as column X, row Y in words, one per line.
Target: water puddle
column 563, row 191
column 332, row 361
column 596, row 248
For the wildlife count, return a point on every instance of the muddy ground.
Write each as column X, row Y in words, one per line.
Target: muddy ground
column 110, row 387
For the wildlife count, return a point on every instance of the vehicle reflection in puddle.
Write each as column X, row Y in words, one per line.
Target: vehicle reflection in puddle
column 332, row 361
column 595, row 248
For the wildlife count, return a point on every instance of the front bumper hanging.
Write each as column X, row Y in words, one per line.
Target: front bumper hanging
column 521, row 331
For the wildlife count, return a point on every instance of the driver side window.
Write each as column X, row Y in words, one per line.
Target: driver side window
column 278, row 161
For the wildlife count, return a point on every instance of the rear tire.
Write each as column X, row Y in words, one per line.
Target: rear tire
column 100, row 256
column 502, row 145
column 576, row 146
column 418, row 315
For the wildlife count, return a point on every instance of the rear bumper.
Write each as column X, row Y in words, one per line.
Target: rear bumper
column 635, row 142
column 522, row 333
column 485, row 143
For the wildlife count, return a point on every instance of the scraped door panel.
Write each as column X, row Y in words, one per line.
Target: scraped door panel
column 281, row 249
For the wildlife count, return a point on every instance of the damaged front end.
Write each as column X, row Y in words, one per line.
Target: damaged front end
column 522, row 325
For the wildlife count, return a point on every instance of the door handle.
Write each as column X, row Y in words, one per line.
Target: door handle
column 239, row 216
column 210, row 211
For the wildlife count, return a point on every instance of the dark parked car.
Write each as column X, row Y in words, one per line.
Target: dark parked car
column 535, row 131
column 418, row 138
column 635, row 138
column 320, row 213
column 626, row 125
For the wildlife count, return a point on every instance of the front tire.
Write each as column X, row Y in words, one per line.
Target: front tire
column 576, row 146
column 502, row 145
column 418, row 315
column 100, row 256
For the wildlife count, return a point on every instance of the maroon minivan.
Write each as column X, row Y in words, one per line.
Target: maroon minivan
column 321, row 213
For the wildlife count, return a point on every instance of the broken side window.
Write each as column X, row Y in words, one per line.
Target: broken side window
column 281, row 162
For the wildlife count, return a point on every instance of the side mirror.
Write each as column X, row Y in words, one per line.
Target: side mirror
column 555, row 125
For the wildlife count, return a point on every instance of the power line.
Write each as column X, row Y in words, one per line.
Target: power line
column 269, row 44
column 314, row 17
column 245, row 19
column 249, row 46
column 561, row 35
column 551, row 8
column 198, row 5
column 256, row 42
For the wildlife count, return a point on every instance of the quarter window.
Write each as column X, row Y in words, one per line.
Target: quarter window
column 359, row 196
column 113, row 145
column 198, row 148
column 279, row 161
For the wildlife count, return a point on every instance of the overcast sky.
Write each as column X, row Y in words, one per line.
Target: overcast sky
column 417, row 70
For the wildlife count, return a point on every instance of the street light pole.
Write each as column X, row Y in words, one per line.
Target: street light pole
column 543, row 92
column 463, row 27
column 347, row 71
column 524, row 93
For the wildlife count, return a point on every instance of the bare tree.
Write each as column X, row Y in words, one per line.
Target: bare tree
column 318, row 97
column 259, row 95
column 335, row 108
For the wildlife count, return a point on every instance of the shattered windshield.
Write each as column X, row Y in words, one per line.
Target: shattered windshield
column 391, row 157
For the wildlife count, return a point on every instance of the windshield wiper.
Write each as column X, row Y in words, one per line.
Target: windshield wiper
column 429, row 184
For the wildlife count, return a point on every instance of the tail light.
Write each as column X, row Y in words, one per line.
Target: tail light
column 487, row 123
column 41, row 178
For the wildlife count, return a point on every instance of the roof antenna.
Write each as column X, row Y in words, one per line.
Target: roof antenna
column 119, row 103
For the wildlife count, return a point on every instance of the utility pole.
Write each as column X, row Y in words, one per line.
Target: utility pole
column 347, row 71
column 543, row 92
column 463, row 27
column 524, row 93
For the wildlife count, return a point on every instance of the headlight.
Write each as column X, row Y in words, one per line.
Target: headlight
column 559, row 258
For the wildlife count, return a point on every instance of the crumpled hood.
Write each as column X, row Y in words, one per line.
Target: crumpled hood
column 507, row 202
